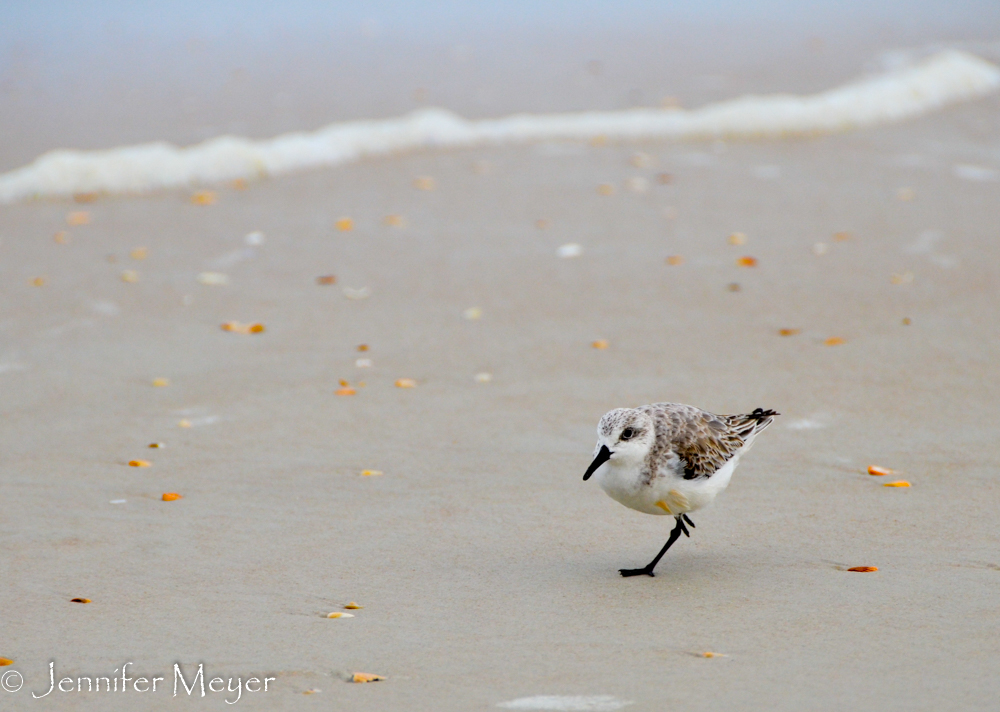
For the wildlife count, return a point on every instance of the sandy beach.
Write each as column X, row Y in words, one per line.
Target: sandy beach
column 485, row 568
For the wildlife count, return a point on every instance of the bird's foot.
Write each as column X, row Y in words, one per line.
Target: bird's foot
column 648, row 571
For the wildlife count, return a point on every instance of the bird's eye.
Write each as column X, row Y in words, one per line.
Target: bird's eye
column 627, row 434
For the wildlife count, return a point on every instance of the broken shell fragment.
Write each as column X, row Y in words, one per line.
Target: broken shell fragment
column 747, row 261
column 737, row 238
column 157, row 445
column 130, row 276
column 346, row 391
column 394, row 220
column 353, row 606
column 79, row 600
column 139, row 253
column 371, row 473
column 366, row 677
column 240, row 328
column 570, row 249
column 161, row 382
column 4, row 662
column 600, row 344
column 344, row 224
column 213, row 279
column 326, row 279
column 605, row 189
column 183, row 423
column 80, row 217
column 171, row 496
column 833, row 341
column 339, row 614
column 674, row 260
column 789, row 332
column 863, row 569
column 900, row 483
column 139, row 463
column 204, row 197
column 879, row 471
column 483, row 377
column 406, row 383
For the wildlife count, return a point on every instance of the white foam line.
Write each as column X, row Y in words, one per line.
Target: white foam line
column 567, row 703
column 944, row 78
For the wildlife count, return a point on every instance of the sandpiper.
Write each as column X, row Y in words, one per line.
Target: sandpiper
column 670, row 459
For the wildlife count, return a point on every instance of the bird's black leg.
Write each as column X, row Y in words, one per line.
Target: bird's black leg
column 688, row 520
column 648, row 570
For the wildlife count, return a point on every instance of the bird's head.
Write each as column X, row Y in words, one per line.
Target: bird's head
column 624, row 435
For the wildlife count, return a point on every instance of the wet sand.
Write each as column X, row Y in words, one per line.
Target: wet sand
column 486, row 568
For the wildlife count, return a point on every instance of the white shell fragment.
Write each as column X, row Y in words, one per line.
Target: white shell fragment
column 570, row 249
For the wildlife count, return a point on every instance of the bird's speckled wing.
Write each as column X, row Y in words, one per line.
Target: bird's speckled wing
column 702, row 441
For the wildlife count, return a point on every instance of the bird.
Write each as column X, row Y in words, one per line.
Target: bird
column 670, row 459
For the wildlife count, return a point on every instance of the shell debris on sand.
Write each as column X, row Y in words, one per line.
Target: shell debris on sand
column 605, row 189
column 171, row 496
column 140, row 463
column 863, row 569
column 366, row 677
column 339, row 614
column 130, row 276
column 157, row 445
column 213, row 279
column 238, row 327
column 746, row 261
column 570, row 249
column 4, row 662
column 344, row 224
column 161, row 382
column 77, row 218
column 484, row 377
column 371, row 473
column 737, row 238
column 353, row 606
column 833, row 341
column 362, row 293
column 394, row 220
column 880, row 471
column 675, row 260
column 899, row 483
column 79, row 600
column 405, row 383
column 139, row 253
column 326, row 279
column 204, row 197
column 789, row 332
column 600, row 344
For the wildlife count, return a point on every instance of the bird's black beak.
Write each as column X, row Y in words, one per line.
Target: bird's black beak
column 603, row 456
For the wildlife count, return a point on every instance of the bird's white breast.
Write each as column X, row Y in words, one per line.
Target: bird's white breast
column 667, row 493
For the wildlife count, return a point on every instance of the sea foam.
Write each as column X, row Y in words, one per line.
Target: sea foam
column 941, row 79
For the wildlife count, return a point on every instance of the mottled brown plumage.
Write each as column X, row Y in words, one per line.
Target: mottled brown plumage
column 702, row 441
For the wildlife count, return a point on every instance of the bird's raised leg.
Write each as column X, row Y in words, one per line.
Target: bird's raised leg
column 648, row 570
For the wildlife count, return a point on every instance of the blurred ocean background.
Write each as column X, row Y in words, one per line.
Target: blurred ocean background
column 100, row 74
